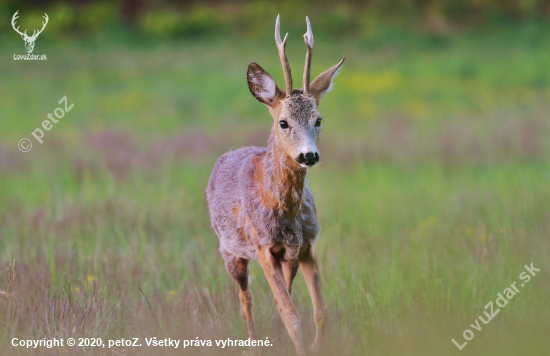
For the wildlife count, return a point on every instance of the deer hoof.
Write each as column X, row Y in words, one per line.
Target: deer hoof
column 315, row 347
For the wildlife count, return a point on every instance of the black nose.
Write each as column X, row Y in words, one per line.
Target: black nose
column 309, row 159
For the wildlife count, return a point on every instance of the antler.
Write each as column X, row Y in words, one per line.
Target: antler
column 15, row 17
column 43, row 27
column 282, row 55
column 308, row 39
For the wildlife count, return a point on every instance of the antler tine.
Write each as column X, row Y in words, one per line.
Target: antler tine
column 308, row 39
column 43, row 24
column 15, row 17
column 282, row 54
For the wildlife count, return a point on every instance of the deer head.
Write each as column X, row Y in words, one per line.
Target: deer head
column 29, row 40
column 297, row 122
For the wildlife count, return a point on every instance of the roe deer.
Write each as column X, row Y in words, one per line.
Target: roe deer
column 260, row 205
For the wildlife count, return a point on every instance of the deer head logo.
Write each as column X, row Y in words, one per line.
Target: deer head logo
column 29, row 40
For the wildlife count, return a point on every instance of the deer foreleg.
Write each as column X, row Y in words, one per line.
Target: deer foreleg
column 274, row 273
column 310, row 269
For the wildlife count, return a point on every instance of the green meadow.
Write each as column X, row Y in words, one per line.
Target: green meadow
column 433, row 191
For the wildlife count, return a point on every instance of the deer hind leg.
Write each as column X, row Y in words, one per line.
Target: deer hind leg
column 238, row 269
column 273, row 270
column 310, row 269
column 290, row 268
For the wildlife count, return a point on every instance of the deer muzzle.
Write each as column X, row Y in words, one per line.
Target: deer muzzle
column 309, row 158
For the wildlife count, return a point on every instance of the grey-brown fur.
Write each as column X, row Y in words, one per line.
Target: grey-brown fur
column 261, row 207
column 232, row 186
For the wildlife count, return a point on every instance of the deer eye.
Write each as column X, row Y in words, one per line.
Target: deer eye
column 318, row 122
column 283, row 124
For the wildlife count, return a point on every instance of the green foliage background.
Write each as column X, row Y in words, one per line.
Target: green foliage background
column 169, row 19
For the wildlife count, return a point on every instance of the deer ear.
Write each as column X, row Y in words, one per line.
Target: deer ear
column 325, row 81
column 262, row 85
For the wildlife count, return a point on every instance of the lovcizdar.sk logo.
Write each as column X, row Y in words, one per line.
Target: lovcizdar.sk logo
column 29, row 40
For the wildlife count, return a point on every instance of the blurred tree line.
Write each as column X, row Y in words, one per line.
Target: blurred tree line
column 170, row 18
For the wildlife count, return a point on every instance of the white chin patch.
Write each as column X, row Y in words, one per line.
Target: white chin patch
column 303, row 165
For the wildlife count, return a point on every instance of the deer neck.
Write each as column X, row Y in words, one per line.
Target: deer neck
column 284, row 179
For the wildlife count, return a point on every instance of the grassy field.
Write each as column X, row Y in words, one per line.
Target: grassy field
column 433, row 192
